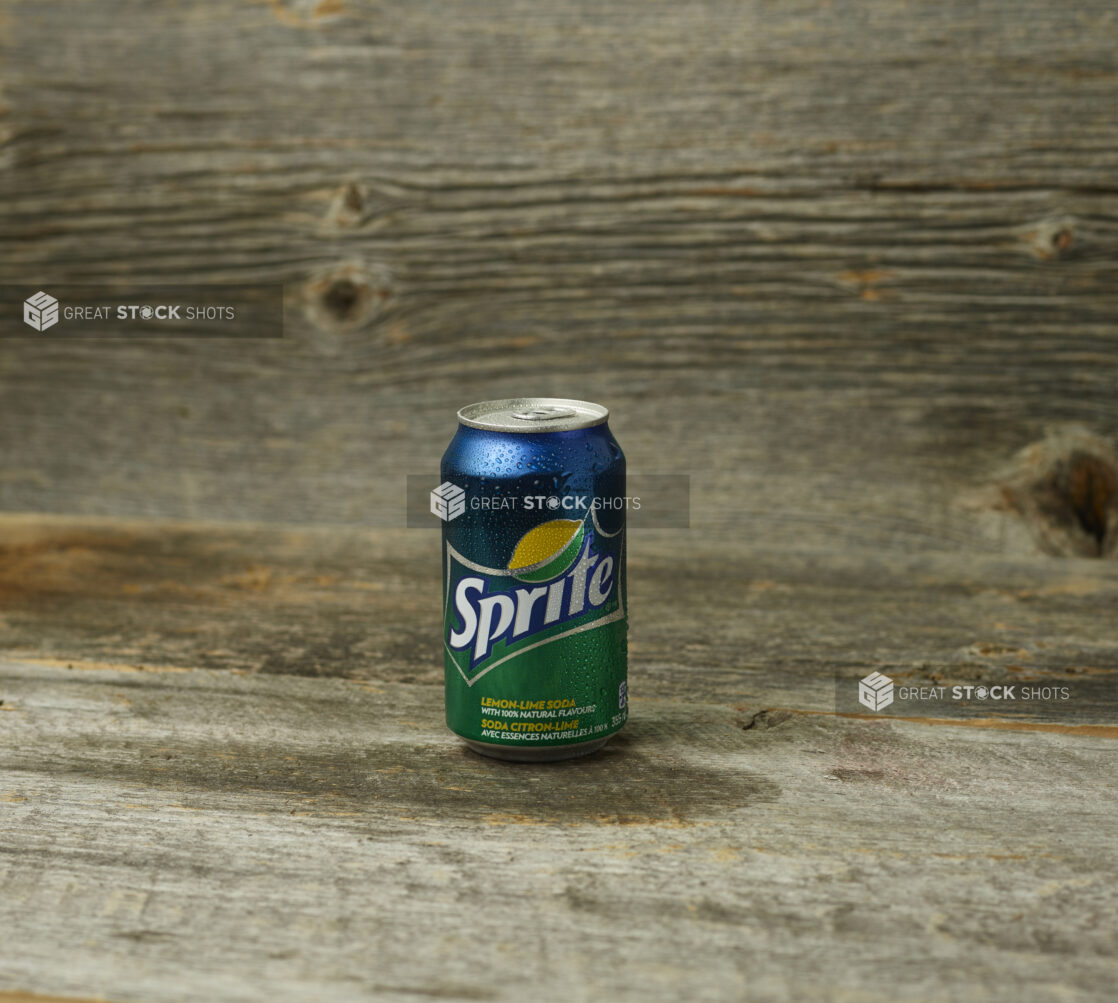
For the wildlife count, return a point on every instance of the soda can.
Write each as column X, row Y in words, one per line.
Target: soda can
column 534, row 594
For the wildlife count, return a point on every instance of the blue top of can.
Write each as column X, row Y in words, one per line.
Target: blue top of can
column 533, row 414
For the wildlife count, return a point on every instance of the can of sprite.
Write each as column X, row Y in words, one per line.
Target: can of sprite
column 534, row 600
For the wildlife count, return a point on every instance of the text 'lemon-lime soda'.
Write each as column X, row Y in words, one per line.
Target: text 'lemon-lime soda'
column 534, row 608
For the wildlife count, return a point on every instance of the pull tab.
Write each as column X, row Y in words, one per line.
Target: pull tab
column 545, row 413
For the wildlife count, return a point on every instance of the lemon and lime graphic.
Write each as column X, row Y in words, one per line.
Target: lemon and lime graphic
column 546, row 550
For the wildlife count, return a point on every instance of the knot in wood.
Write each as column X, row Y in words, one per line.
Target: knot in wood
column 348, row 297
column 1065, row 487
column 1051, row 238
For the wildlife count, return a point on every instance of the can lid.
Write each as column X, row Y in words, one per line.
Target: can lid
column 533, row 414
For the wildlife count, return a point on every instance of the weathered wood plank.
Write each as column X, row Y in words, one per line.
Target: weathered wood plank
column 840, row 265
column 328, row 839
column 868, row 255
column 713, row 617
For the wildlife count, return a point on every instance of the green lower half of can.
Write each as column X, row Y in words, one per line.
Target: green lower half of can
column 559, row 701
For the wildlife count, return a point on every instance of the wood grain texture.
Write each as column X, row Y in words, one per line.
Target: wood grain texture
column 852, row 268
column 183, row 777
column 200, row 835
column 735, row 623
column 839, row 265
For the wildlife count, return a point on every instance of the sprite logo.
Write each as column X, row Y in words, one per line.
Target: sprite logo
column 561, row 579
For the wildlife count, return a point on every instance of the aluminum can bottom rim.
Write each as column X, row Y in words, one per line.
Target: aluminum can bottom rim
column 551, row 755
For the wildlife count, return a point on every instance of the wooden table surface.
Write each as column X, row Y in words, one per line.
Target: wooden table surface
column 853, row 269
column 225, row 775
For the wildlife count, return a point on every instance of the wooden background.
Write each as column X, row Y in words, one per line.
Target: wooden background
column 853, row 267
column 838, row 262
